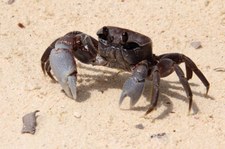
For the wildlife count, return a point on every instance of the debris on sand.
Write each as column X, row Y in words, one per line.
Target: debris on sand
column 219, row 69
column 29, row 122
column 21, row 25
column 159, row 135
column 139, row 126
column 196, row 44
column 77, row 114
column 11, row 2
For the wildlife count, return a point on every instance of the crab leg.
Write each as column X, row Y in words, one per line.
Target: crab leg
column 155, row 94
column 164, row 68
column 185, row 84
column 190, row 67
column 194, row 68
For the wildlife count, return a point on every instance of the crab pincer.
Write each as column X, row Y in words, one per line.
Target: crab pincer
column 64, row 68
column 59, row 59
column 134, row 85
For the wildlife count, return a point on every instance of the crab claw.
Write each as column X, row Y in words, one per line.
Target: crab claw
column 134, row 86
column 133, row 89
column 63, row 66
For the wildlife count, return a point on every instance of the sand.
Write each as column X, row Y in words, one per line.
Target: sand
column 97, row 121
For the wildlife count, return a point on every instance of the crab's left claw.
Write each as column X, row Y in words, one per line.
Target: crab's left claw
column 134, row 86
column 64, row 68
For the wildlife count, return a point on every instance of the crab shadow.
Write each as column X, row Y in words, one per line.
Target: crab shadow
column 113, row 79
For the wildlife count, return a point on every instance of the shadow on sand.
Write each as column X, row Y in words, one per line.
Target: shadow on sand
column 116, row 80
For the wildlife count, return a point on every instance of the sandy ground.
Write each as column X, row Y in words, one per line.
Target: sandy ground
column 171, row 24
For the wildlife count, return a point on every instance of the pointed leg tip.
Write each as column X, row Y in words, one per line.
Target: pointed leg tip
column 150, row 109
column 207, row 90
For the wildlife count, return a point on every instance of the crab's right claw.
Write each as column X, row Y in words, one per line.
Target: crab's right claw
column 133, row 89
column 134, row 86
column 64, row 68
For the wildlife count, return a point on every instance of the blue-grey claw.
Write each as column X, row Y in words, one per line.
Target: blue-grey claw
column 133, row 89
column 64, row 68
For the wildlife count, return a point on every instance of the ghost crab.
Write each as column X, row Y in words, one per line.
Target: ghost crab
column 117, row 48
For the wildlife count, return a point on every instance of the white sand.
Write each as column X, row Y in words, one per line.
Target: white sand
column 171, row 24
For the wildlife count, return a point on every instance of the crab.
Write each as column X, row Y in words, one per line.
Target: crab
column 122, row 49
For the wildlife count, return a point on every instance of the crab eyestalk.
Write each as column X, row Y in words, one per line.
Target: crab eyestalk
column 104, row 35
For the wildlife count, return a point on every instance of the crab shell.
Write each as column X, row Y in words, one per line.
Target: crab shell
column 131, row 56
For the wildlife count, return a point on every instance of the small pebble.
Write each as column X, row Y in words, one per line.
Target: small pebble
column 21, row 25
column 11, row 2
column 211, row 116
column 207, row 3
column 77, row 115
column 139, row 126
column 196, row 44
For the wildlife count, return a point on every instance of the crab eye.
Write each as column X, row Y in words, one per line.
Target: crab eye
column 124, row 37
column 105, row 31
